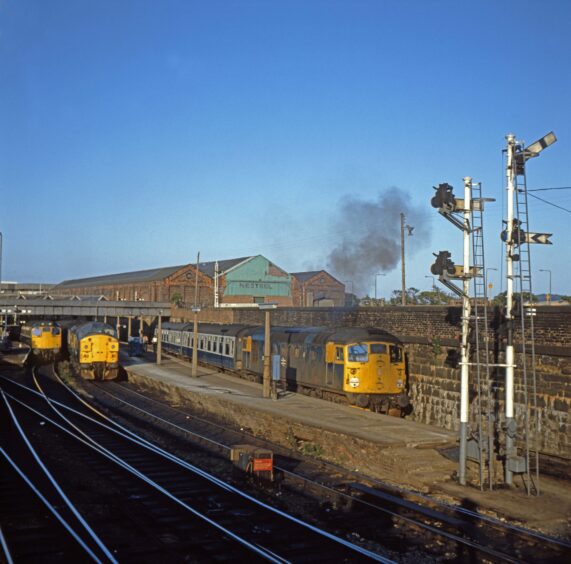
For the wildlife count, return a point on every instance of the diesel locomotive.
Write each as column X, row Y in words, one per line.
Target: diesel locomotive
column 365, row 367
column 94, row 350
column 44, row 339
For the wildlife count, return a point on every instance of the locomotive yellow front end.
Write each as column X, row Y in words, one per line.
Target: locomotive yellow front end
column 99, row 357
column 44, row 338
column 375, row 375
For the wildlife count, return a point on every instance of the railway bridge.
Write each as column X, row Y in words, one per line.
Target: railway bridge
column 15, row 308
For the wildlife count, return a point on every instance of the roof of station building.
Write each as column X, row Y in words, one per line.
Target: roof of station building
column 209, row 268
column 150, row 275
column 305, row 276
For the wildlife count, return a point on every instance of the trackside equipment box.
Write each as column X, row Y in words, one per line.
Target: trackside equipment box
column 258, row 462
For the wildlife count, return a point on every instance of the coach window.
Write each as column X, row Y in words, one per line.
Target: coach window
column 339, row 353
column 227, row 349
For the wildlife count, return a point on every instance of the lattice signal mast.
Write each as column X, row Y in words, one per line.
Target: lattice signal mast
column 460, row 212
column 517, row 239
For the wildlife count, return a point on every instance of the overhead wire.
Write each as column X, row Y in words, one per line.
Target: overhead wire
column 550, row 203
column 544, row 189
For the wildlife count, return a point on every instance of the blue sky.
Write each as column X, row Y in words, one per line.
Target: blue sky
column 134, row 134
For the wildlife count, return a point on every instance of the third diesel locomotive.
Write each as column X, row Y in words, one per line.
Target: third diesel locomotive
column 94, row 350
column 364, row 366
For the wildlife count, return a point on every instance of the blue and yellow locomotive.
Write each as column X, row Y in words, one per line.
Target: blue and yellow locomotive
column 44, row 339
column 94, row 350
column 363, row 366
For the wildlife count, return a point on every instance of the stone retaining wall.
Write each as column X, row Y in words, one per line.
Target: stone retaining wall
column 432, row 335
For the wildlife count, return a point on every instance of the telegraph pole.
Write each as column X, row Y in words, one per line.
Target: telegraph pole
column 403, row 292
column 410, row 228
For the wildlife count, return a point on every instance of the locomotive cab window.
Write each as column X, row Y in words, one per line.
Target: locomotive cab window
column 358, row 353
column 378, row 348
column 396, row 354
column 339, row 353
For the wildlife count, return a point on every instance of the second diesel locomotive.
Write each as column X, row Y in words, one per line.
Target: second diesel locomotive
column 44, row 339
column 94, row 350
column 366, row 367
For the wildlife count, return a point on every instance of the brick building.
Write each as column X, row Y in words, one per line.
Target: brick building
column 317, row 289
column 173, row 283
column 246, row 280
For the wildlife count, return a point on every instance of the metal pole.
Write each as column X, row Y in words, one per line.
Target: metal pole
column 195, row 345
column 195, row 311
column 403, row 297
column 509, row 407
column 548, row 295
column 196, row 280
column 159, row 338
column 266, row 378
column 376, row 276
column 216, row 297
column 129, row 323
column 118, row 325
column 465, row 353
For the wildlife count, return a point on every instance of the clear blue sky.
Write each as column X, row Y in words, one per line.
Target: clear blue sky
column 135, row 133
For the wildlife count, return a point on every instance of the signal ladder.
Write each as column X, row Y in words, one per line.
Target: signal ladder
column 481, row 443
column 522, row 279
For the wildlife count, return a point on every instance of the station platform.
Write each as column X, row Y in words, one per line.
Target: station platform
column 405, row 453
column 381, row 446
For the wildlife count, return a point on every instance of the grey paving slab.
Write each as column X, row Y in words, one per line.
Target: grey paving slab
column 386, row 430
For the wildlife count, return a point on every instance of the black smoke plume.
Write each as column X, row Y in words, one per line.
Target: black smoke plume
column 368, row 236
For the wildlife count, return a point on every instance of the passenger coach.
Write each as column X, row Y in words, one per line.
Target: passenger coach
column 363, row 366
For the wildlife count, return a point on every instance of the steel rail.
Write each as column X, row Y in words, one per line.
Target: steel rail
column 129, row 435
column 468, row 512
column 58, row 488
column 48, row 506
column 434, row 530
column 484, row 518
column 446, row 506
column 117, row 460
column 4, row 544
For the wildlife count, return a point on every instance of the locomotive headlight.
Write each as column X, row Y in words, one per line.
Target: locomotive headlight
column 399, row 383
column 353, row 371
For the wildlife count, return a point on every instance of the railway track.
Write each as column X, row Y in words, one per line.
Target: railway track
column 468, row 532
column 166, row 506
column 37, row 521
